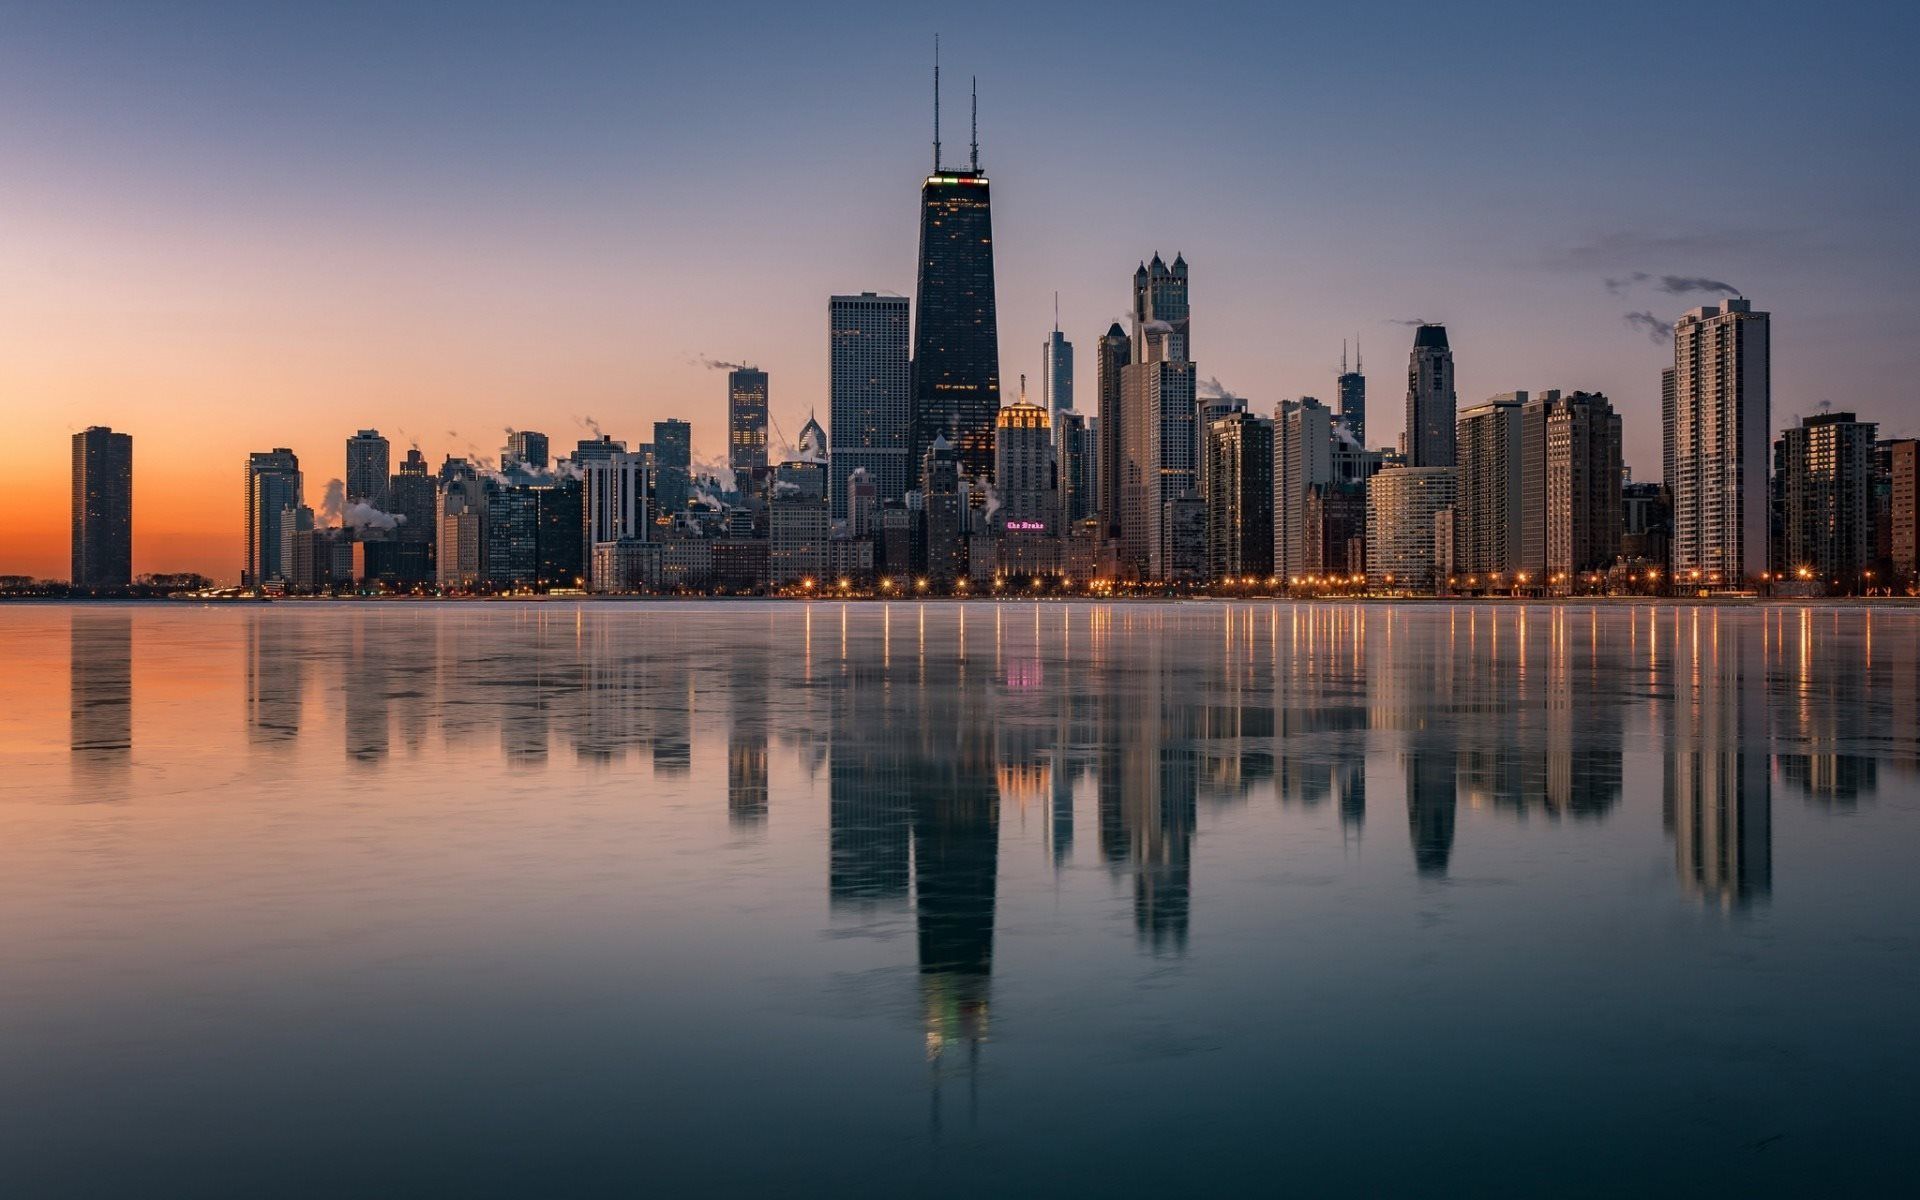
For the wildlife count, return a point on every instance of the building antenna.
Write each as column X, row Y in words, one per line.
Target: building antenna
column 936, row 104
column 1343, row 356
column 1357, row 368
column 976, row 124
column 1056, row 311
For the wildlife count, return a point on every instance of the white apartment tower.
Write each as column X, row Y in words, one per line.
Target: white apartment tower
column 1721, row 409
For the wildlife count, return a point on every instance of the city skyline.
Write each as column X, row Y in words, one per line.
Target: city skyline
column 247, row 331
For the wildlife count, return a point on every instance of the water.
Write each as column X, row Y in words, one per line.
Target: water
column 770, row 898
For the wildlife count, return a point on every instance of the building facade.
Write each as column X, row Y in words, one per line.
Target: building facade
column 1240, row 509
column 369, row 462
column 1114, row 351
column 1826, row 484
column 1303, row 461
column 102, row 508
column 747, row 428
column 273, row 485
column 1403, row 505
column 1717, row 444
column 1431, row 402
column 1489, row 510
column 1584, row 474
column 870, row 395
column 956, row 346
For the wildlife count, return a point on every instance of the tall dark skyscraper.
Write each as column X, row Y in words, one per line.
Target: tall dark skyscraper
column 1351, row 390
column 956, row 343
column 747, row 427
column 870, row 395
column 1431, row 404
column 102, row 508
column 1114, row 352
column 673, row 464
column 369, row 459
column 273, row 487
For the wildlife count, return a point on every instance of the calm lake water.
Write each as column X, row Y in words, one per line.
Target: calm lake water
column 785, row 899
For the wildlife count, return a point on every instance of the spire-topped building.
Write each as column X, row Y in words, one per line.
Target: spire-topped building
column 1351, row 390
column 956, row 347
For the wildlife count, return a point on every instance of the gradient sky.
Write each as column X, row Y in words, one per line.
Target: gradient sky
column 232, row 227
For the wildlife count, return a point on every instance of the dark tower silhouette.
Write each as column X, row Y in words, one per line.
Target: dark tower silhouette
column 1351, row 387
column 956, row 345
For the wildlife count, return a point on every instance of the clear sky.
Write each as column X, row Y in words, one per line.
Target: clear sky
column 232, row 227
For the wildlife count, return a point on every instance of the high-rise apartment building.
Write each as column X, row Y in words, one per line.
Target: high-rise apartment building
column 1113, row 352
column 1240, row 460
column 1582, row 515
column 1431, row 402
column 102, row 508
column 1350, row 390
column 461, row 548
column 617, row 505
column 525, row 449
column 1904, row 510
column 673, row 465
column 1076, row 458
column 797, row 522
column 1826, row 484
column 945, row 514
column 1403, row 507
column 1717, row 444
column 870, row 395
column 273, row 485
column 1490, row 515
column 956, row 341
column 369, row 460
column 747, row 427
column 1302, row 461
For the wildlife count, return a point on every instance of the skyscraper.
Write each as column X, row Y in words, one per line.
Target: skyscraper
column 870, row 395
column 956, row 345
column 1056, row 367
column 410, row 493
column 1430, row 399
column 673, row 464
column 1583, row 469
column 1303, row 461
column 747, row 428
column 368, row 463
column 1722, row 400
column 1239, row 469
column 617, row 505
column 1075, row 457
column 1827, row 486
column 273, row 485
column 1351, row 391
column 1160, row 450
column 1028, row 485
column 797, row 521
column 1904, row 509
column 526, row 449
column 1489, row 509
column 102, row 508
column 1402, row 506
column 1114, row 351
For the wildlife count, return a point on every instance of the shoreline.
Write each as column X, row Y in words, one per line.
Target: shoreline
column 1861, row 602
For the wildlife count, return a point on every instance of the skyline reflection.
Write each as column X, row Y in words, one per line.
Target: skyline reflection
column 923, row 734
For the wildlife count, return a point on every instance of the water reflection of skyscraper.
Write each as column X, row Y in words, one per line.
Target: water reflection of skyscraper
column 275, row 677
column 100, row 689
column 1718, row 790
column 747, row 737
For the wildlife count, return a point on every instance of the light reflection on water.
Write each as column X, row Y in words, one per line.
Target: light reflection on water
column 869, row 898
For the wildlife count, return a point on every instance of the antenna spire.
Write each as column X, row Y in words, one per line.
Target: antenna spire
column 1056, row 312
column 1357, row 368
column 976, row 124
column 1343, row 356
column 936, row 104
